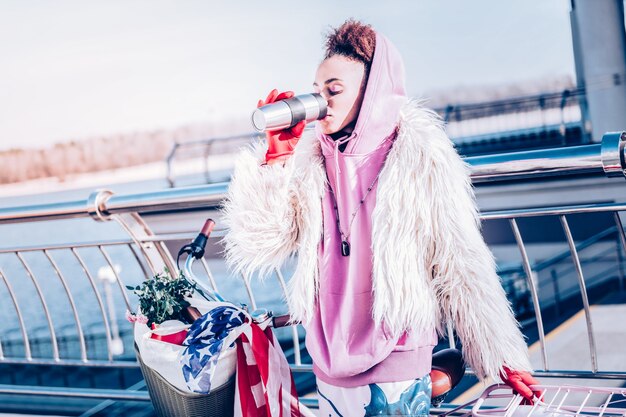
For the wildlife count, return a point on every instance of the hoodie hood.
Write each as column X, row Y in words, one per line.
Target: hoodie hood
column 380, row 111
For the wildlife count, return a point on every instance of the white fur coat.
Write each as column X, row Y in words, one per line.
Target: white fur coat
column 431, row 264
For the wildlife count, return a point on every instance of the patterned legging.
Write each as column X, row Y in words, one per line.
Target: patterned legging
column 404, row 398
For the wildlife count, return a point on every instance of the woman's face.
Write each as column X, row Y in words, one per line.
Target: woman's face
column 340, row 81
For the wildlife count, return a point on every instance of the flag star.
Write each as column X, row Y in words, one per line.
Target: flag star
column 205, row 351
column 185, row 359
column 194, row 383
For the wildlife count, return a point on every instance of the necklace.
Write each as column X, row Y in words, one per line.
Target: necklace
column 345, row 244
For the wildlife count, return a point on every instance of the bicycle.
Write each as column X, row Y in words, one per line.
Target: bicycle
column 447, row 370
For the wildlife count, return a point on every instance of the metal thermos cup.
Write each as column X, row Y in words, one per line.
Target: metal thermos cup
column 287, row 113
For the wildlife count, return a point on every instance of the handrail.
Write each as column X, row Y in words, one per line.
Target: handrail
column 102, row 203
column 105, row 394
column 605, row 159
column 535, row 164
column 597, row 159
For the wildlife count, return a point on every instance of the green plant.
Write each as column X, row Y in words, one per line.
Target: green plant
column 162, row 297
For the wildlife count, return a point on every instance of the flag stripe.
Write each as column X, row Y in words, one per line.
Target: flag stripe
column 268, row 371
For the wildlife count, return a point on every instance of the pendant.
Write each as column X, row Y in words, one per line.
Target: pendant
column 345, row 248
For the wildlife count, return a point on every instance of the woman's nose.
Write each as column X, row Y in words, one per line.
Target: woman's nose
column 325, row 96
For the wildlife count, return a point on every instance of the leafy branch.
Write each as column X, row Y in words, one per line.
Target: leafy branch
column 163, row 297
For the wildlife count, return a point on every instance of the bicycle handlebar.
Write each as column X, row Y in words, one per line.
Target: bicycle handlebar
column 280, row 321
column 197, row 247
column 195, row 250
column 206, row 230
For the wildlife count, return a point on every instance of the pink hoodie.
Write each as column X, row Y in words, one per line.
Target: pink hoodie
column 348, row 348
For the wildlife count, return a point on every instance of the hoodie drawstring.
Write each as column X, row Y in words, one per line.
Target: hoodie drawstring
column 338, row 143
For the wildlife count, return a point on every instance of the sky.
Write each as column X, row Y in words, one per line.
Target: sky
column 72, row 69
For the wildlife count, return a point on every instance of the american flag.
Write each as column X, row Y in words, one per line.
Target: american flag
column 208, row 336
column 265, row 386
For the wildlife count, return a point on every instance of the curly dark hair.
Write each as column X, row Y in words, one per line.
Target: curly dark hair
column 353, row 40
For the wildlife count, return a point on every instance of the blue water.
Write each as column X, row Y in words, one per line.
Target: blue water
column 267, row 294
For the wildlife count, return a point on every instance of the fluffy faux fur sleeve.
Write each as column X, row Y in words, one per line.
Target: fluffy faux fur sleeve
column 465, row 281
column 272, row 212
column 259, row 212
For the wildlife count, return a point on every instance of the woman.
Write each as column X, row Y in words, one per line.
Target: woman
column 380, row 209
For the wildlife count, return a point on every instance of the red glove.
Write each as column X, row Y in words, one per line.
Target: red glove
column 521, row 381
column 281, row 143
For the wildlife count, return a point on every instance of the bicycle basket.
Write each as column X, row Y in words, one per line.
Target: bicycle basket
column 170, row 401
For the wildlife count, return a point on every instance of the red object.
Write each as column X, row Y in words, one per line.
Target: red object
column 209, row 224
column 265, row 385
column 281, row 321
column 441, row 383
column 281, row 142
column 521, row 381
column 174, row 338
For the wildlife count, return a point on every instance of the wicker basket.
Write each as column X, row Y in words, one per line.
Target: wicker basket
column 170, row 401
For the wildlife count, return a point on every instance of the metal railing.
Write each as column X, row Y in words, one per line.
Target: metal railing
column 557, row 285
column 147, row 253
column 561, row 213
column 473, row 121
column 207, row 147
column 554, row 100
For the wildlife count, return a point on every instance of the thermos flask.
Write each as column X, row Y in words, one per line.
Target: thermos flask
column 287, row 113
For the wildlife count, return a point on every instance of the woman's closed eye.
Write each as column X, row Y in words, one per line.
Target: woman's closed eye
column 333, row 90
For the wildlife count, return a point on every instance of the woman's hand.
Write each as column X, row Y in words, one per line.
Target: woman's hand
column 521, row 381
column 281, row 143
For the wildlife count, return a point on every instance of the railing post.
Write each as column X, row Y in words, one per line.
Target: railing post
column 533, row 290
column 583, row 292
column 207, row 153
column 622, row 240
column 169, row 160
column 620, row 266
